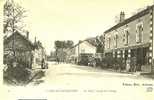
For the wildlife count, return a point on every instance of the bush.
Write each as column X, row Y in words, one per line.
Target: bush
column 19, row 74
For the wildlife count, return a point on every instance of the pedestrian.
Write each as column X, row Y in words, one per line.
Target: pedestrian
column 128, row 65
column 57, row 60
column 133, row 68
column 42, row 63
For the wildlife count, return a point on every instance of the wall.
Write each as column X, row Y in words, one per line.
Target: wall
column 132, row 33
column 85, row 47
column 23, row 50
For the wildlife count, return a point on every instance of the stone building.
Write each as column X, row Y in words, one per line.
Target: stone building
column 133, row 38
column 18, row 48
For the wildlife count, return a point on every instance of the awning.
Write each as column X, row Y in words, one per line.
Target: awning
column 129, row 47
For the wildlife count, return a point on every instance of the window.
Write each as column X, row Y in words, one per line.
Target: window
column 115, row 40
column 139, row 32
column 126, row 37
column 108, row 42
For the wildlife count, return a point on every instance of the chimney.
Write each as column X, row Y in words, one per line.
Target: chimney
column 122, row 16
column 27, row 35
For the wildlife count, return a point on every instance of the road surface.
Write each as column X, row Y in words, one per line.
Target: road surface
column 70, row 75
column 74, row 82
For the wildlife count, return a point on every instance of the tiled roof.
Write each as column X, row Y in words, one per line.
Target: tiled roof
column 126, row 21
column 6, row 40
column 87, row 40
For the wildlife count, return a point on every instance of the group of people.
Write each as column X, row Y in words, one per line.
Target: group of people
column 131, row 65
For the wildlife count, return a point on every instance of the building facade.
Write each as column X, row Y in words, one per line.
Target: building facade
column 133, row 38
column 39, row 54
column 18, row 48
column 76, row 53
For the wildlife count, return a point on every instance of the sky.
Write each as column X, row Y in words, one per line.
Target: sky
column 51, row 20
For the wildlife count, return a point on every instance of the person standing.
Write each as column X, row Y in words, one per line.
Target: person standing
column 42, row 63
column 128, row 65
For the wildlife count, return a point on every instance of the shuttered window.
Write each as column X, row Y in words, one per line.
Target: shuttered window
column 139, row 32
column 126, row 36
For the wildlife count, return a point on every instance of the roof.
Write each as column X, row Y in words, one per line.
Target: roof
column 87, row 40
column 92, row 41
column 126, row 21
column 6, row 40
column 38, row 45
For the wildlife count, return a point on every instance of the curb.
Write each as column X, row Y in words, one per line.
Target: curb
column 34, row 76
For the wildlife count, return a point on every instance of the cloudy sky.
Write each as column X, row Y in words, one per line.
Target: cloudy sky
column 51, row 20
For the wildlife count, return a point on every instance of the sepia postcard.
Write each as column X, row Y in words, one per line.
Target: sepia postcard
column 77, row 49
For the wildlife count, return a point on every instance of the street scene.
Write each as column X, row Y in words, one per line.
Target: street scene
column 76, row 44
column 70, row 75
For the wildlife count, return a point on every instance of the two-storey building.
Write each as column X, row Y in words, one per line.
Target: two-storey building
column 133, row 37
column 80, row 50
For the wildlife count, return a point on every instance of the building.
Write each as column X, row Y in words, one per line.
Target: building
column 18, row 48
column 39, row 54
column 83, row 48
column 133, row 38
column 72, row 54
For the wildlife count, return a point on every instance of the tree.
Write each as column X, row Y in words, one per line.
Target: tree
column 63, row 44
column 100, row 44
column 69, row 44
column 60, row 46
column 13, row 17
column 97, row 41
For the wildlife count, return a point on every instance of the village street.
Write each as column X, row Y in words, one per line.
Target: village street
column 74, row 82
column 69, row 75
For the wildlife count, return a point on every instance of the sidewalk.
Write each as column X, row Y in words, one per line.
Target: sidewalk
column 138, row 73
column 37, row 74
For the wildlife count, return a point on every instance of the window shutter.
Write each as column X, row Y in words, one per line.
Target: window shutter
column 115, row 41
column 137, row 35
column 124, row 38
column 139, row 32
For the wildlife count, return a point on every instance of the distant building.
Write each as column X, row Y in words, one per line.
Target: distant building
column 52, row 56
column 39, row 54
column 18, row 48
column 84, row 47
column 133, row 37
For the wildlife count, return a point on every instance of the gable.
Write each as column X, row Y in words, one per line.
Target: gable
column 18, row 42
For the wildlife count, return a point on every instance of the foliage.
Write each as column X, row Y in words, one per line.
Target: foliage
column 13, row 17
column 61, row 47
column 97, row 41
column 18, row 74
column 100, row 44
column 63, row 44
